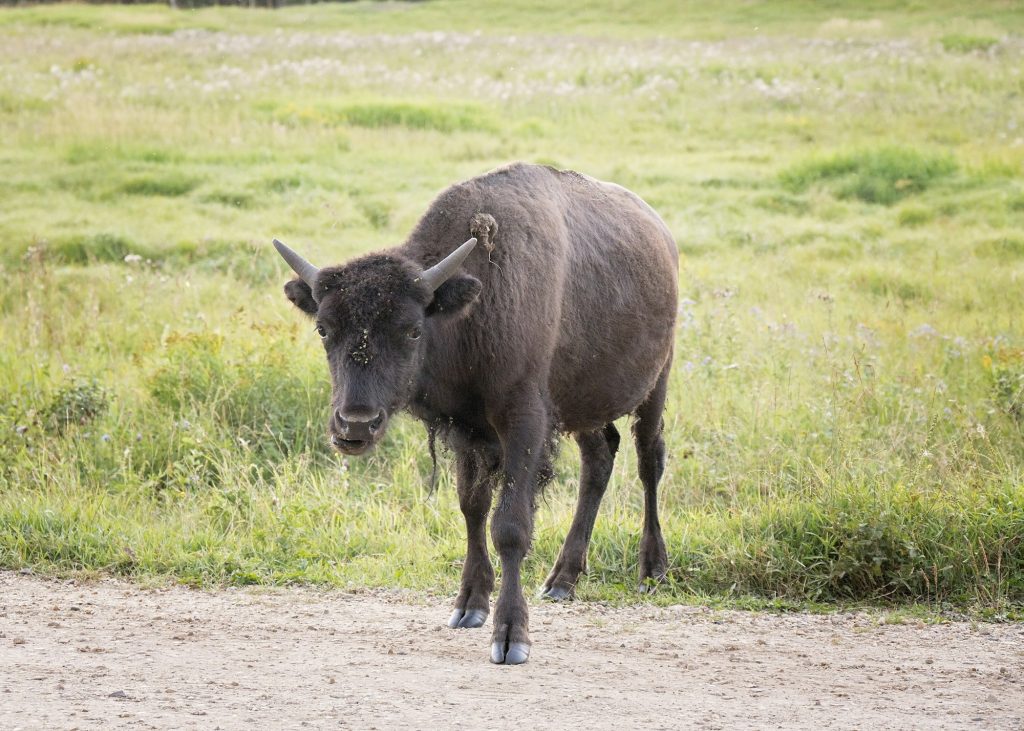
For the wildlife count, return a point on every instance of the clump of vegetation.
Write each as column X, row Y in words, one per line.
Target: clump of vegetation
column 912, row 216
column 170, row 185
column 960, row 43
column 882, row 283
column 91, row 248
column 76, row 404
column 883, row 176
column 255, row 395
column 856, row 543
column 234, row 199
column 440, row 117
column 437, row 115
column 1005, row 367
column 377, row 212
column 1003, row 247
column 100, row 151
column 282, row 183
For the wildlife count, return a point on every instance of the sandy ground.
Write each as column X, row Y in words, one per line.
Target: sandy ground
column 113, row 655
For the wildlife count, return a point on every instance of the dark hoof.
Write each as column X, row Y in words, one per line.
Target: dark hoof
column 556, row 594
column 515, row 653
column 467, row 618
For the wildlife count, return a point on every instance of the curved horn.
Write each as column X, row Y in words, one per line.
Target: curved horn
column 306, row 271
column 444, row 269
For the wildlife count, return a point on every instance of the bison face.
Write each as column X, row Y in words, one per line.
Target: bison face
column 375, row 317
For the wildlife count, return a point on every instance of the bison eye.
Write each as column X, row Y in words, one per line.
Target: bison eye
column 414, row 333
column 321, row 331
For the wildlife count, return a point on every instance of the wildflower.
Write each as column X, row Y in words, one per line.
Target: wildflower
column 924, row 331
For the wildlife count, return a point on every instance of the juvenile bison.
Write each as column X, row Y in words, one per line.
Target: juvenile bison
column 557, row 315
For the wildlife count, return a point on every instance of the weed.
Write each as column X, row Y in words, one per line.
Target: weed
column 75, row 404
column 1005, row 367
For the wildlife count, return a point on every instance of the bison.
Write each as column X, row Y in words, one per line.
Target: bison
column 556, row 316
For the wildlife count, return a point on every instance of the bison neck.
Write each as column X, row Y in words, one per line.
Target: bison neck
column 448, row 392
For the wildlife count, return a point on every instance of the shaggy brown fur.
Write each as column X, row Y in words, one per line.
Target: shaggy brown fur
column 562, row 321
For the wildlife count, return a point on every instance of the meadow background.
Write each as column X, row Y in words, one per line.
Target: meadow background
column 845, row 182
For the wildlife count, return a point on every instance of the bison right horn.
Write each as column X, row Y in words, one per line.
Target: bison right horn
column 306, row 271
column 444, row 269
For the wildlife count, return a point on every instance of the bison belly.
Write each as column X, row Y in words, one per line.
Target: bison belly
column 618, row 312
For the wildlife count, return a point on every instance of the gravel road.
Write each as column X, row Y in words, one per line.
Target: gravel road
column 109, row 654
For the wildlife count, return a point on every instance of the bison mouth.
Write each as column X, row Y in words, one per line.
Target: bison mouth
column 355, row 436
column 352, row 447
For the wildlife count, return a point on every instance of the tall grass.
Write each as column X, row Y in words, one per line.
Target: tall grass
column 846, row 411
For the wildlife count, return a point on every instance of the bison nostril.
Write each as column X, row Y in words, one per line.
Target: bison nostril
column 357, row 424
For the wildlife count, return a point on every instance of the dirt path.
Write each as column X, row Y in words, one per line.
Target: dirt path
column 110, row 654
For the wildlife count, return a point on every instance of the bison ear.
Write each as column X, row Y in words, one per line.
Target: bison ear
column 455, row 296
column 301, row 296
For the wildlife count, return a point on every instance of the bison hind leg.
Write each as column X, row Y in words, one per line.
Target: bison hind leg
column 597, row 454
column 475, row 473
column 650, row 450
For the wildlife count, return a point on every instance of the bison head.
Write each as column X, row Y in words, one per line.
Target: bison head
column 375, row 316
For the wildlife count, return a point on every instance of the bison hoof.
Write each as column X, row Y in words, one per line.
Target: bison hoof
column 556, row 593
column 514, row 653
column 467, row 618
column 650, row 584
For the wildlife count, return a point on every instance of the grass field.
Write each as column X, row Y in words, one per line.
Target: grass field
column 845, row 182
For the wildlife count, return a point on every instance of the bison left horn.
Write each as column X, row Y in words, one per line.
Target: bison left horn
column 444, row 269
column 306, row 271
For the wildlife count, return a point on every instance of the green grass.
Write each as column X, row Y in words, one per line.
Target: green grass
column 845, row 182
column 444, row 117
column 884, row 175
column 171, row 185
column 959, row 43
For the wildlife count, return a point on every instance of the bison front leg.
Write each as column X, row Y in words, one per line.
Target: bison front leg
column 474, row 600
column 522, row 429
